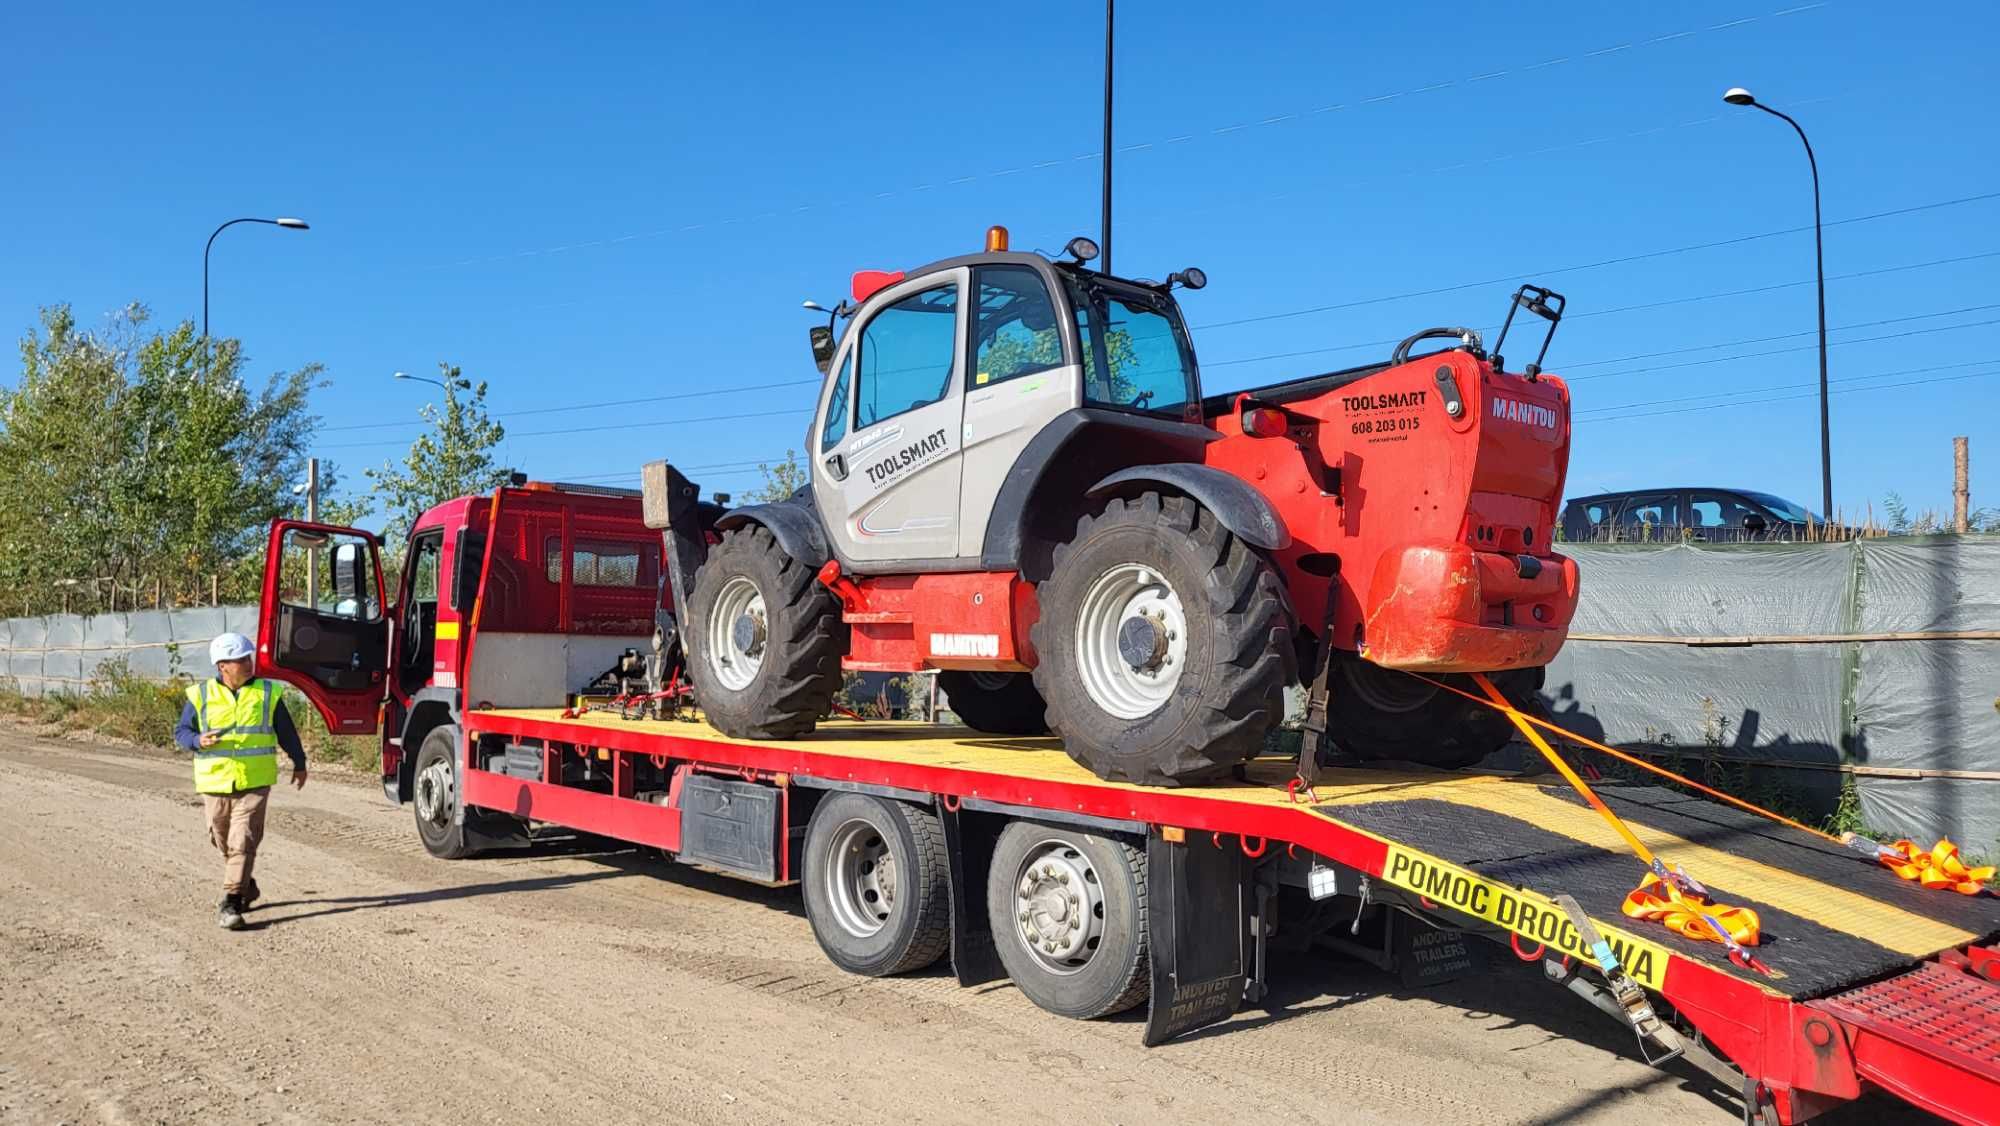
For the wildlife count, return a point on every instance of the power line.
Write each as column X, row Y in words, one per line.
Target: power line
column 592, row 429
column 598, row 405
column 1583, row 415
column 1187, row 138
column 1805, row 395
column 1783, row 351
column 1211, row 364
column 1569, row 367
column 1619, row 261
column 1206, row 364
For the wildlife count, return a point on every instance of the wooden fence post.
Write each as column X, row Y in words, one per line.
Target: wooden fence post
column 1961, row 492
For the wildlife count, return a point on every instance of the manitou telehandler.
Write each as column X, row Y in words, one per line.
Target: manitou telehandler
column 1015, row 479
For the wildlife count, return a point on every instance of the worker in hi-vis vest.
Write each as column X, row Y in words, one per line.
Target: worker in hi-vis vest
column 235, row 724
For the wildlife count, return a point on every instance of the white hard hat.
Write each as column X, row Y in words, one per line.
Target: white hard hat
column 229, row 647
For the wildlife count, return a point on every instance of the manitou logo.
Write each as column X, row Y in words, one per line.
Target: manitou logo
column 1514, row 410
column 965, row 645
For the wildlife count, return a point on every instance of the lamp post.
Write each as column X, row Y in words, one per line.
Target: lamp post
column 284, row 221
column 459, row 384
column 1738, row 96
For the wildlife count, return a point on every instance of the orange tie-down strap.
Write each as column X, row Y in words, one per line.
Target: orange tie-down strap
column 1937, row 867
column 1690, row 914
column 1686, row 906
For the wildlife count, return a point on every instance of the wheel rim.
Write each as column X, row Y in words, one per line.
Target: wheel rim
column 860, row 879
column 1131, row 602
column 434, row 794
column 736, row 633
column 991, row 681
column 1059, row 907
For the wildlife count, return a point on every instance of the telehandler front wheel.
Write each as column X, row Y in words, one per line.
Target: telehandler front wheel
column 765, row 639
column 1165, row 644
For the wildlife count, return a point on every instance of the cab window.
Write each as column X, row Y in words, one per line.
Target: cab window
column 1137, row 355
column 424, row 553
column 330, row 573
column 836, row 406
column 906, row 355
column 1017, row 333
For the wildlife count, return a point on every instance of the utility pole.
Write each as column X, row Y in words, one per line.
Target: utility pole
column 1104, row 243
column 312, row 514
column 1961, row 486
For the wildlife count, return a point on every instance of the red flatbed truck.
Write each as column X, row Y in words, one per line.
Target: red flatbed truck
column 913, row 843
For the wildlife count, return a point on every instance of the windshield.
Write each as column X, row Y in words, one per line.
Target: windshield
column 1783, row 509
column 1136, row 354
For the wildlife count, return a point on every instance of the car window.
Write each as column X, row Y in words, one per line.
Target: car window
column 1657, row 510
column 906, row 355
column 1718, row 510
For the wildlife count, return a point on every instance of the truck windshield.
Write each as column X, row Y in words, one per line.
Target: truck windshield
column 1136, row 354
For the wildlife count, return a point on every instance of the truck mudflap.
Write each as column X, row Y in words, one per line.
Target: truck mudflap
column 1197, row 932
column 1448, row 608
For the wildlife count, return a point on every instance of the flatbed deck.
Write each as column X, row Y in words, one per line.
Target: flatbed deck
column 1831, row 918
column 1481, row 852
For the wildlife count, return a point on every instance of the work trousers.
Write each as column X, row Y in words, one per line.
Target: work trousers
column 235, row 826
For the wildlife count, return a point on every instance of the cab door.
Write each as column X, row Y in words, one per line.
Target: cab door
column 321, row 625
column 888, row 461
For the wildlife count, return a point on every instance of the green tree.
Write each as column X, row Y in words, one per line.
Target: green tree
column 453, row 459
column 129, row 461
column 780, row 480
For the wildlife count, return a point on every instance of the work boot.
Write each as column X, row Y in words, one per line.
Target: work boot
column 229, row 914
column 247, row 898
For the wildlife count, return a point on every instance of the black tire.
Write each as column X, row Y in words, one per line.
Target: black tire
column 1238, row 655
column 1109, row 971
column 997, row 703
column 798, row 652
column 434, row 792
column 1379, row 713
column 877, row 884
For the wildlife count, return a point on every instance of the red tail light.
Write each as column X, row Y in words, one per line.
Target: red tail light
column 1265, row 422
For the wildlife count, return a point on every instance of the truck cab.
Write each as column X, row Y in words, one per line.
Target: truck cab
column 570, row 578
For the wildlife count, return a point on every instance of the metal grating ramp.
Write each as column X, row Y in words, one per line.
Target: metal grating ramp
column 1940, row 1011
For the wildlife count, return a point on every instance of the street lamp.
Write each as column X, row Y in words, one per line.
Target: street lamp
column 1738, row 96
column 460, row 384
column 284, row 221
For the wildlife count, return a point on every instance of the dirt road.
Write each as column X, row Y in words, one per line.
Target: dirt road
column 570, row 984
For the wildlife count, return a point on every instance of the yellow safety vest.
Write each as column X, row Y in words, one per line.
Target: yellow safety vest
column 245, row 755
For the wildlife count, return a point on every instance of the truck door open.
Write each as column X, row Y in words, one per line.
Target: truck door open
column 322, row 627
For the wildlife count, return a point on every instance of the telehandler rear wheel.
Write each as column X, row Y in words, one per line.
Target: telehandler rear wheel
column 1165, row 644
column 1381, row 713
column 765, row 639
column 997, row 703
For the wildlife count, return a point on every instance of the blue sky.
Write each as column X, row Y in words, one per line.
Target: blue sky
column 630, row 203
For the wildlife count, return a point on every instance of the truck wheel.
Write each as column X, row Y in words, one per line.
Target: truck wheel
column 435, row 794
column 1165, row 644
column 998, row 703
column 1069, row 918
column 1384, row 714
column 877, row 884
column 765, row 639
